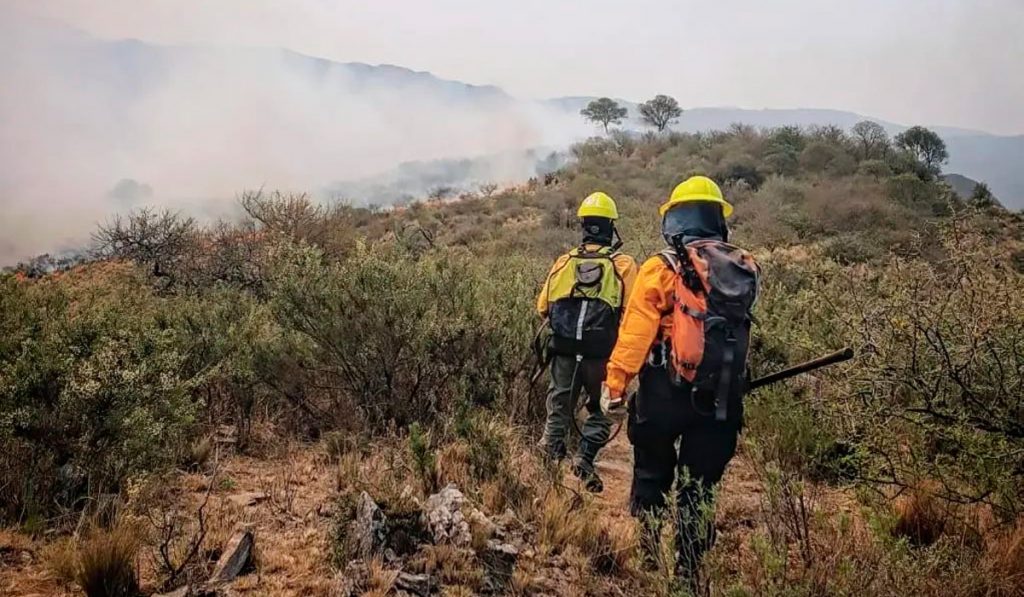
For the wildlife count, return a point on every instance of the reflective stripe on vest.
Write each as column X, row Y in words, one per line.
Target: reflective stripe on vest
column 579, row 322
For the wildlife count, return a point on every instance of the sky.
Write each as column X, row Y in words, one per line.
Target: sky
column 944, row 62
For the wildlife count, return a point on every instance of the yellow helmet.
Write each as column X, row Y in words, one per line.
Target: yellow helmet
column 598, row 205
column 696, row 188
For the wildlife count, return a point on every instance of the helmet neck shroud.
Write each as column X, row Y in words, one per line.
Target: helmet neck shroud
column 598, row 230
column 688, row 222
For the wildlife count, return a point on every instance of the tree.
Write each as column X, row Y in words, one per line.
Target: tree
column 660, row 111
column 440, row 193
column 925, row 145
column 871, row 139
column 782, row 151
column 487, row 189
column 604, row 111
column 982, row 196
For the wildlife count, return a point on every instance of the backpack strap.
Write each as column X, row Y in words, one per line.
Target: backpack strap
column 725, row 380
column 683, row 268
column 605, row 252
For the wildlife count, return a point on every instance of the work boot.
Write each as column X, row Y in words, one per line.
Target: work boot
column 552, row 454
column 591, row 481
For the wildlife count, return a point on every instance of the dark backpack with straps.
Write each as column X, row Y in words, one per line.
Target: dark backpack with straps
column 715, row 290
column 585, row 297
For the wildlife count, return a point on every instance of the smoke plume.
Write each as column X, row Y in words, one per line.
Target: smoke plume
column 89, row 128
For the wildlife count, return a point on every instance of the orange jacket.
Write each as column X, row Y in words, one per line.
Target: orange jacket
column 624, row 265
column 648, row 312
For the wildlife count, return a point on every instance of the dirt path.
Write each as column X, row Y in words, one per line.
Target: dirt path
column 739, row 498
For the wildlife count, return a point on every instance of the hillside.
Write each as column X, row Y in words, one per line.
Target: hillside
column 975, row 154
column 319, row 375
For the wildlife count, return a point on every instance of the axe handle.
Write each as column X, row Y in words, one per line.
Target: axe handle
column 829, row 359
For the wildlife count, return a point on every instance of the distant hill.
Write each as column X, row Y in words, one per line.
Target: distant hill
column 962, row 186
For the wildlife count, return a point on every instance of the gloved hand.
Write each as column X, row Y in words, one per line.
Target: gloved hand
column 613, row 407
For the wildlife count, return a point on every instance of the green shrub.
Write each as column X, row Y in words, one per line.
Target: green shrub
column 424, row 458
column 933, row 394
column 398, row 338
column 94, row 387
column 942, row 368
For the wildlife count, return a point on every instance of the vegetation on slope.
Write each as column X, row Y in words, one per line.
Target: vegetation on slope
column 346, row 326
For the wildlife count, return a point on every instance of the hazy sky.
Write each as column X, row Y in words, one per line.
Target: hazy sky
column 941, row 62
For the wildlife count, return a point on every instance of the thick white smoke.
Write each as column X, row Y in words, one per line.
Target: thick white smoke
column 89, row 128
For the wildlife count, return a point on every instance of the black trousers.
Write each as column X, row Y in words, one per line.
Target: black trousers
column 677, row 442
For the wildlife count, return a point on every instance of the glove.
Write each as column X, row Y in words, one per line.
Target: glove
column 613, row 407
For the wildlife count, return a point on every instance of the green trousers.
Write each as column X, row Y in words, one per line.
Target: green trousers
column 567, row 381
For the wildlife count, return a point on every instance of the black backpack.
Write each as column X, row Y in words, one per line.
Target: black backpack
column 715, row 290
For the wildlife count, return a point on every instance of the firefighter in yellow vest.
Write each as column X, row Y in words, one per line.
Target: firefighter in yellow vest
column 582, row 300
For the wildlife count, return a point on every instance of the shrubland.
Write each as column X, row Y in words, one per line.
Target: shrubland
column 398, row 341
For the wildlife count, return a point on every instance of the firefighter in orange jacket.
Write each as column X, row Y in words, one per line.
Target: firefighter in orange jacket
column 664, row 412
column 583, row 317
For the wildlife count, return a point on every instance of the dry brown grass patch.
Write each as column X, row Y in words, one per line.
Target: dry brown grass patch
column 452, row 565
column 616, row 546
column 61, row 559
column 566, row 519
column 102, row 563
column 197, row 454
column 454, row 466
column 458, row 591
column 921, row 516
column 381, row 580
column 1004, row 560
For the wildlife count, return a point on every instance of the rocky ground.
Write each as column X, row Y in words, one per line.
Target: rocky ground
column 443, row 544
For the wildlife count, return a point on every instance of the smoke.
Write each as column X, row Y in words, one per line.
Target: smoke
column 447, row 178
column 90, row 127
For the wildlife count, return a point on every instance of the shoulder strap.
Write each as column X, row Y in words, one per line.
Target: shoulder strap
column 671, row 259
column 604, row 252
column 683, row 267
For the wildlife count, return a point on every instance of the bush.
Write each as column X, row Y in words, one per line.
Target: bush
column 943, row 359
column 931, row 395
column 424, row 458
column 398, row 338
column 94, row 388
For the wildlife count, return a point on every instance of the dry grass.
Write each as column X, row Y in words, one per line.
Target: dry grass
column 338, row 444
column 565, row 519
column 102, row 563
column 523, row 581
column 197, row 454
column 452, row 566
column 381, row 580
column 615, row 550
column 458, row 591
column 61, row 559
column 921, row 517
column 1003, row 562
column 453, row 464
